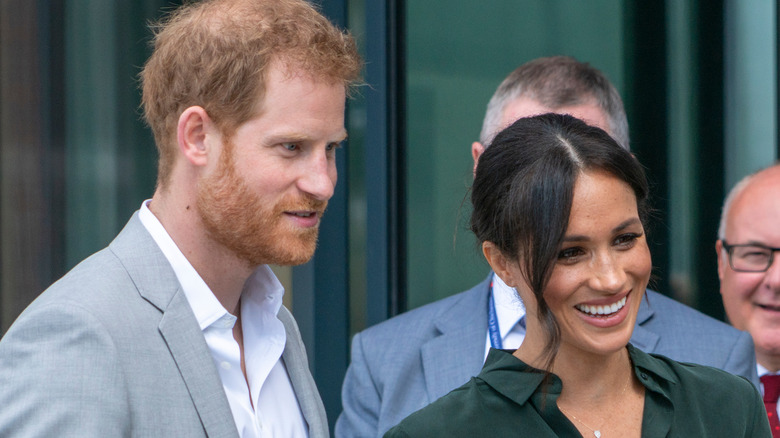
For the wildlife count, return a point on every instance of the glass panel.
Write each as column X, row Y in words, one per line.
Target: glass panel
column 77, row 158
column 751, row 92
column 457, row 56
column 355, row 154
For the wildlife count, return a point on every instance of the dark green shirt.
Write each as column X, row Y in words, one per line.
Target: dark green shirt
column 510, row 398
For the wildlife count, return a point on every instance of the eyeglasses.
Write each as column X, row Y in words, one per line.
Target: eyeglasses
column 750, row 258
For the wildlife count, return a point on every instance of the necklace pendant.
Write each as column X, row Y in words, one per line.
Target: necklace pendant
column 597, row 433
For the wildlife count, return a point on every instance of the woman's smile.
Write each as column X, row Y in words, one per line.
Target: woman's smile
column 601, row 310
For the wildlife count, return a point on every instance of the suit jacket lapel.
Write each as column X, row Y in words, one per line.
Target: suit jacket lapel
column 450, row 359
column 191, row 353
column 297, row 365
column 157, row 283
column 643, row 338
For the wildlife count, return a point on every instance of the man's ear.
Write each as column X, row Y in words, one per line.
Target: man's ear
column 723, row 259
column 499, row 263
column 476, row 150
column 192, row 134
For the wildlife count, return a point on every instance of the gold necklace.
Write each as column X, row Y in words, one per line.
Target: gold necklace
column 596, row 432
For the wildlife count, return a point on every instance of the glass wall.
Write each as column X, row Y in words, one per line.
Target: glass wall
column 699, row 83
column 458, row 53
column 76, row 158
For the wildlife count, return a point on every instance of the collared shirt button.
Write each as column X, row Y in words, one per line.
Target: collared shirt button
column 644, row 376
column 225, row 365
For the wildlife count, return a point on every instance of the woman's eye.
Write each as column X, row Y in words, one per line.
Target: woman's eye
column 570, row 254
column 627, row 240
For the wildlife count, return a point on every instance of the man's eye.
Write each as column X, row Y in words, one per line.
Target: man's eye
column 332, row 146
column 290, row 146
column 755, row 255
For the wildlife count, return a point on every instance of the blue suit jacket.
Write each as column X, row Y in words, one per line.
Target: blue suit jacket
column 407, row 362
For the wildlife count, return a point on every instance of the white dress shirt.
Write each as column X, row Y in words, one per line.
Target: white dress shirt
column 509, row 310
column 273, row 409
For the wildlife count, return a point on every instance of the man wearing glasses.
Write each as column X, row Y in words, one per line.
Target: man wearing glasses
column 748, row 240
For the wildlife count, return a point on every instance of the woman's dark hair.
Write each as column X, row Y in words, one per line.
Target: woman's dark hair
column 523, row 191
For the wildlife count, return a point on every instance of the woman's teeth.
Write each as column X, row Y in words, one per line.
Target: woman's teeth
column 602, row 310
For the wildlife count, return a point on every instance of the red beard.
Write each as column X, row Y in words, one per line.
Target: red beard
column 241, row 221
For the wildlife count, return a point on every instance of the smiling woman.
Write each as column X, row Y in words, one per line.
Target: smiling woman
column 559, row 211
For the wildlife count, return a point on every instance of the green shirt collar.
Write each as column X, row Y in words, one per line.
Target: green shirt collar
column 516, row 380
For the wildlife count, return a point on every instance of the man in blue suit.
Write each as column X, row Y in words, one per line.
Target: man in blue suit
column 407, row 362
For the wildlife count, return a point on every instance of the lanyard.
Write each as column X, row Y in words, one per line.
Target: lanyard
column 493, row 331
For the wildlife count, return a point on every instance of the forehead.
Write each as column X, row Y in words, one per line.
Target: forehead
column 296, row 97
column 599, row 195
column 588, row 112
column 755, row 213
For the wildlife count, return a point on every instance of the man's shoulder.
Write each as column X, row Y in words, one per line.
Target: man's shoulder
column 98, row 271
column 426, row 316
column 101, row 284
column 684, row 334
column 672, row 313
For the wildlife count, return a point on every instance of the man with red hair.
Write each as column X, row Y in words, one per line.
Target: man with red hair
column 177, row 328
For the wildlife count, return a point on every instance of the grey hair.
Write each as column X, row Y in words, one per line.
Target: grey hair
column 556, row 82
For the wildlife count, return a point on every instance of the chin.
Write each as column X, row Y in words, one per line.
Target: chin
column 770, row 343
column 294, row 254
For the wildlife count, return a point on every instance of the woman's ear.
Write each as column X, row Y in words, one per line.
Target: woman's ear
column 503, row 267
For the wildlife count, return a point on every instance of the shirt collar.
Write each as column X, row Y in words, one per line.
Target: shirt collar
column 643, row 362
column 512, row 378
column 261, row 285
column 763, row 371
column 516, row 380
column 509, row 306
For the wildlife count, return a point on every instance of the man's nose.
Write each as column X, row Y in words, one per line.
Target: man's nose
column 772, row 278
column 319, row 177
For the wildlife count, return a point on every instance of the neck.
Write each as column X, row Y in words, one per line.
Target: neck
column 223, row 272
column 768, row 361
column 587, row 377
column 594, row 379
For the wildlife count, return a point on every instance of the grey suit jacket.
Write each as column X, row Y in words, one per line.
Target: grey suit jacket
column 113, row 349
column 407, row 362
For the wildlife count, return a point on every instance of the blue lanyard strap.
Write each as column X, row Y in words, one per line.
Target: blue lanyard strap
column 493, row 330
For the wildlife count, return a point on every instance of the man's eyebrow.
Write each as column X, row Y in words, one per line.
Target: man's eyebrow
column 622, row 226
column 288, row 138
column 756, row 243
column 294, row 137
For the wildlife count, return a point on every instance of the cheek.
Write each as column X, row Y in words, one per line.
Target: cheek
column 563, row 284
column 739, row 287
column 737, row 292
column 263, row 178
column 640, row 263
